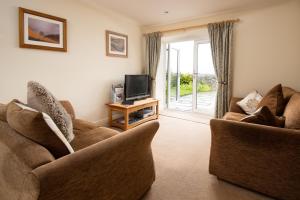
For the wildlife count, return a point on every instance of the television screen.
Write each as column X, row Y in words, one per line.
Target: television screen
column 136, row 87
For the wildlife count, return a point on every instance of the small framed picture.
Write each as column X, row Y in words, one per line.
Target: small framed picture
column 42, row 31
column 116, row 44
column 117, row 93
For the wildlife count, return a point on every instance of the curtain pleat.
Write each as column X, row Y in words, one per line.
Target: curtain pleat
column 153, row 47
column 220, row 35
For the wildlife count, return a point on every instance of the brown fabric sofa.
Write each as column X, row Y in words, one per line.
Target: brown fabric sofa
column 262, row 158
column 106, row 164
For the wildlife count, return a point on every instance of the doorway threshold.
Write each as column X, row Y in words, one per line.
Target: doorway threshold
column 188, row 116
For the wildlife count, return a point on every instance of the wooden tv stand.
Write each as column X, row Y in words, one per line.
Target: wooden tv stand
column 126, row 122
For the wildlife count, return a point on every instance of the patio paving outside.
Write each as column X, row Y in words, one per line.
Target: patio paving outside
column 205, row 103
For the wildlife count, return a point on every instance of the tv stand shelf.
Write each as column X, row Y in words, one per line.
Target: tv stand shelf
column 126, row 110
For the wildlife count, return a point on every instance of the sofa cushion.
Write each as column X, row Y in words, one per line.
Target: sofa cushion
column 264, row 116
column 82, row 125
column 250, row 102
column 39, row 98
column 274, row 100
column 292, row 112
column 288, row 92
column 234, row 116
column 38, row 127
column 85, row 139
column 3, row 108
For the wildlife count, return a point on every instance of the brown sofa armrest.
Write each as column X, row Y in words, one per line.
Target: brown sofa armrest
column 82, row 125
column 269, row 155
column 233, row 107
column 120, row 167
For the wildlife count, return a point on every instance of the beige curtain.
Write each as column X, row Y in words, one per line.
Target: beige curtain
column 153, row 45
column 220, row 35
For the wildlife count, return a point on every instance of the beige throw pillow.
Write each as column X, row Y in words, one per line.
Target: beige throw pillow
column 39, row 98
column 38, row 127
column 250, row 102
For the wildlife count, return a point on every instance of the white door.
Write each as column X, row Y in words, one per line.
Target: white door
column 204, row 80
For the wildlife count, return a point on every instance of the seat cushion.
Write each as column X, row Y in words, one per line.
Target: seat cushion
column 274, row 100
column 234, row 116
column 39, row 98
column 292, row 112
column 87, row 138
column 83, row 126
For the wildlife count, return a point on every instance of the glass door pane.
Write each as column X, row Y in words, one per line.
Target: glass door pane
column 180, row 75
column 174, row 75
column 206, row 80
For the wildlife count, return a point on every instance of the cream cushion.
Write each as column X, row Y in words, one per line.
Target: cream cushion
column 250, row 102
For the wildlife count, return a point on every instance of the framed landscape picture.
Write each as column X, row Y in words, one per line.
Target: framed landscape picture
column 42, row 31
column 116, row 44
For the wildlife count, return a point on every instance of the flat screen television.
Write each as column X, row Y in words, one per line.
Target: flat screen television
column 136, row 87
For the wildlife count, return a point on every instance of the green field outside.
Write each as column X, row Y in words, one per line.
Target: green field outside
column 204, row 84
column 187, row 89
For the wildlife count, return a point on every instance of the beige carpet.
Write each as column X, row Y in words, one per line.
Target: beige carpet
column 190, row 116
column 181, row 152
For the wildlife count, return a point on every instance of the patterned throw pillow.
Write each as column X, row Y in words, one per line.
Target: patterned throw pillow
column 39, row 98
column 250, row 102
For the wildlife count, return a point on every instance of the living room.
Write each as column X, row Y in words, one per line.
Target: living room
column 248, row 148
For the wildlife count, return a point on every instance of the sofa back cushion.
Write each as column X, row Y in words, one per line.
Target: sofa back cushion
column 68, row 107
column 39, row 98
column 3, row 108
column 287, row 93
column 292, row 112
column 38, row 127
column 274, row 100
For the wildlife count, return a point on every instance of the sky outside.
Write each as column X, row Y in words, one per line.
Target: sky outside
column 186, row 49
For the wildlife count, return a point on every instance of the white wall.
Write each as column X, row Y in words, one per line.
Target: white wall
column 84, row 74
column 266, row 46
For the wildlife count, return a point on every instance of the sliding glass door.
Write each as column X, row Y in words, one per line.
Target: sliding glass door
column 191, row 80
column 205, row 79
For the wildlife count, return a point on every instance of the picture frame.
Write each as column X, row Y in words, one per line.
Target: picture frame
column 117, row 93
column 42, row 31
column 116, row 44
